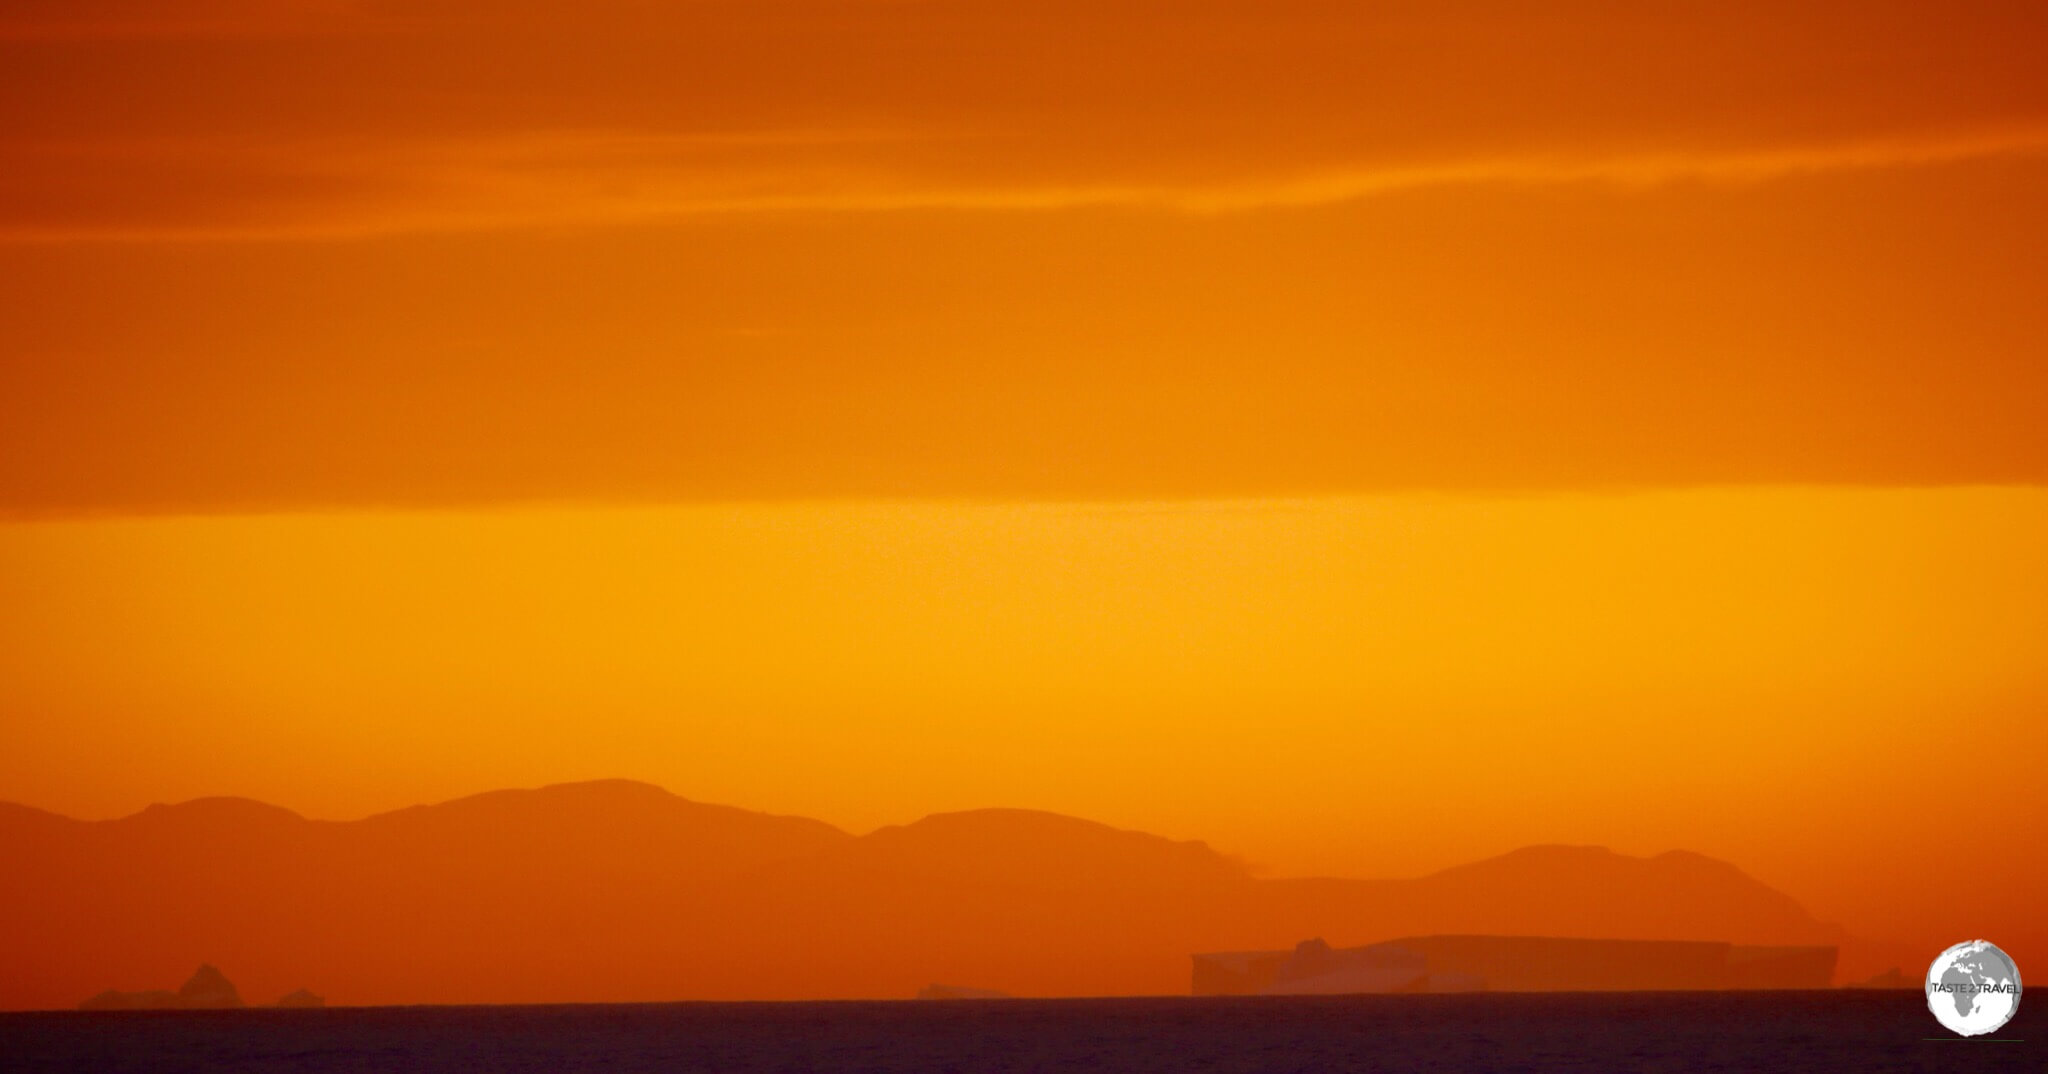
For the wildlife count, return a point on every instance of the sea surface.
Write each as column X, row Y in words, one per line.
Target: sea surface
column 1665, row 1031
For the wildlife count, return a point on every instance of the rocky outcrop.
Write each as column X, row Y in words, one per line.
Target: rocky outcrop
column 208, row 990
column 301, row 998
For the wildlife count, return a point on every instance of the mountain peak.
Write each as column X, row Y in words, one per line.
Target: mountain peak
column 1004, row 818
column 1032, row 845
column 615, row 801
column 622, row 788
column 245, row 810
column 1680, row 894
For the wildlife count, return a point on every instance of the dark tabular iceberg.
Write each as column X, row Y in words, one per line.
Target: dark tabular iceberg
column 1511, row 964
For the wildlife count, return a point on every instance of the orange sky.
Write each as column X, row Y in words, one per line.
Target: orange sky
column 1364, row 436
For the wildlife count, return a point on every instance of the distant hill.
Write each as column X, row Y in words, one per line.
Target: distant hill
column 622, row 891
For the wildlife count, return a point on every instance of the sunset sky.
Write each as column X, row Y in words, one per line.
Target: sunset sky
column 1366, row 437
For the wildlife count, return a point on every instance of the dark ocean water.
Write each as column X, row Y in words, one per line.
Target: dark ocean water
column 1689, row 1032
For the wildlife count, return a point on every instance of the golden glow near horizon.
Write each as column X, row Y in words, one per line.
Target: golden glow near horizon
column 1340, row 684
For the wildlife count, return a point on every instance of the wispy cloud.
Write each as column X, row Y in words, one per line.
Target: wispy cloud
column 1631, row 169
column 344, row 188
column 255, row 119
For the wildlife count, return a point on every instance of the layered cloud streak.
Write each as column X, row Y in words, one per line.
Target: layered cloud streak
column 227, row 120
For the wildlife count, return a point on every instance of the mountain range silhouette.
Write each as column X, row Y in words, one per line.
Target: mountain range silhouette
column 621, row 891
